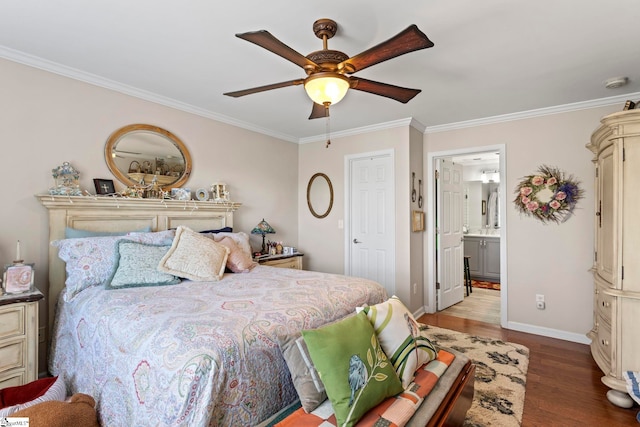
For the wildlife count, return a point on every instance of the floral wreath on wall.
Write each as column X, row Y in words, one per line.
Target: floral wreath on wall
column 548, row 195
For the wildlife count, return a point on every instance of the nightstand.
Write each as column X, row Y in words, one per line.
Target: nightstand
column 283, row 261
column 19, row 338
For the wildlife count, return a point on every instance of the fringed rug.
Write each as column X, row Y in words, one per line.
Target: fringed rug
column 485, row 284
column 501, row 376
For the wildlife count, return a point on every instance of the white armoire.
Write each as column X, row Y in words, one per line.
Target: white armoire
column 615, row 337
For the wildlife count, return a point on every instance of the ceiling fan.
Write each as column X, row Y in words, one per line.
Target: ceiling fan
column 329, row 71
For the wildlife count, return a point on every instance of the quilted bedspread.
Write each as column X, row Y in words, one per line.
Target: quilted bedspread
column 196, row 353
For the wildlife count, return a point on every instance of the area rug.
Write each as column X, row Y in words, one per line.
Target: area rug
column 501, row 376
column 485, row 284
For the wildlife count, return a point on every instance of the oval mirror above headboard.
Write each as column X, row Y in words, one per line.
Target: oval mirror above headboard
column 137, row 153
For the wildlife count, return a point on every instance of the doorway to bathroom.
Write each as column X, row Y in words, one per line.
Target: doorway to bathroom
column 482, row 206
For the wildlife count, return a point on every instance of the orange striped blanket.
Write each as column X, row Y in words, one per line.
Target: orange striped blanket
column 393, row 412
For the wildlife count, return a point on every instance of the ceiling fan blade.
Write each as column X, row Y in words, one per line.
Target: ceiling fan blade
column 404, row 42
column 401, row 94
column 318, row 111
column 266, row 40
column 244, row 92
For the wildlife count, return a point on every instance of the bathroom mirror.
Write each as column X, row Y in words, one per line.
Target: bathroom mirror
column 320, row 195
column 137, row 154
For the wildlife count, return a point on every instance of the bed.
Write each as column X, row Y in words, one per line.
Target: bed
column 195, row 353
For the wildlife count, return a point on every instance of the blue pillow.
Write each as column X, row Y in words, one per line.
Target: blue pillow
column 137, row 265
column 76, row 233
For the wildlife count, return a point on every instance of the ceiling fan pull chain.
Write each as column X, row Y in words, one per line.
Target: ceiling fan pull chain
column 328, row 125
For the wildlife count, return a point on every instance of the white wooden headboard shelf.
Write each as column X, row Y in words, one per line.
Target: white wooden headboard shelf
column 123, row 214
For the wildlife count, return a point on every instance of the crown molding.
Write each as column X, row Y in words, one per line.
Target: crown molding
column 565, row 108
column 73, row 73
column 53, row 67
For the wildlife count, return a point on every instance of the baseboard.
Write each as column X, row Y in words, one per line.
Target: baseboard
column 419, row 313
column 548, row 332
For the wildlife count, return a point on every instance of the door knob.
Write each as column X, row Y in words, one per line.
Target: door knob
column 356, row 241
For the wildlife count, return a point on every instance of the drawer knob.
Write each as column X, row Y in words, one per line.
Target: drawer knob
column 604, row 342
column 605, row 304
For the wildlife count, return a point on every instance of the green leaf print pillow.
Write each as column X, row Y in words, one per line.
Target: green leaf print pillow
column 355, row 370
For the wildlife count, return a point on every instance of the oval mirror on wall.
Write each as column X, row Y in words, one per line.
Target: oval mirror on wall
column 138, row 153
column 320, row 195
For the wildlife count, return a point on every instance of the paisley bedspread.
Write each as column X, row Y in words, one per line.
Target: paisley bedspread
column 196, row 353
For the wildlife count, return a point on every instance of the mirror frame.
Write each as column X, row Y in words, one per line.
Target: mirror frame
column 115, row 137
column 313, row 178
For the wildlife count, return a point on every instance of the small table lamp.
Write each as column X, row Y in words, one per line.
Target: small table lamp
column 263, row 228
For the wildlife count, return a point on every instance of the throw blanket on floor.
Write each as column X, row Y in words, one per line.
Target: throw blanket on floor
column 633, row 387
column 393, row 412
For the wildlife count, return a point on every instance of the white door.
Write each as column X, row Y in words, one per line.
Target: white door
column 449, row 246
column 370, row 212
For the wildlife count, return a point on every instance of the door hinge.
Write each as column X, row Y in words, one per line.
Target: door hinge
column 623, row 154
column 596, row 171
column 596, row 256
column 437, row 174
column 437, row 286
column 622, row 273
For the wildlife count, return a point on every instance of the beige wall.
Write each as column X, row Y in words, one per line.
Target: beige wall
column 322, row 239
column 551, row 259
column 46, row 119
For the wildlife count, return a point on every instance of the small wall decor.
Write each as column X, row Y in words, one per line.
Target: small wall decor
column 202, row 194
column 66, row 181
column 548, row 195
column 417, row 221
column 18, row 278
column 104, row 186
column 181, row 193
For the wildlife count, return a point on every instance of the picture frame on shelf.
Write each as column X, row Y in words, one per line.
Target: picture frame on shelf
column 104, row 187
column 181, row 193
column 18, row 278
column 417, row 221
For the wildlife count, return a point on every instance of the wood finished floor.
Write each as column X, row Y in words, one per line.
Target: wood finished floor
column 563, row 381
column 480, row 304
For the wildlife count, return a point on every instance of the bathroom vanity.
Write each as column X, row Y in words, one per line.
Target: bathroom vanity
column 484, row 256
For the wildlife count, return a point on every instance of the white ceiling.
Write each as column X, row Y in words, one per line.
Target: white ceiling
column 491, row 57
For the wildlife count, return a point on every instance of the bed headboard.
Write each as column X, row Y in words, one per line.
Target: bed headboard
column 122, row 214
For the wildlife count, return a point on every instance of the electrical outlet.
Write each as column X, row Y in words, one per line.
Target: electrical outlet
column 41, row 337
column 539, row 298
column 540, row 305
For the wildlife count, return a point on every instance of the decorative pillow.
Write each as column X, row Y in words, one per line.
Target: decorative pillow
column 400, row 337
column 194, row 256
column 90, row 261
column 13, row 399
column 154, row 238
column 76, row 233
column 137, row 265
column 304, row 375
column 354, row 369
column 219, row 230
column 238, row 261
column 242, row 239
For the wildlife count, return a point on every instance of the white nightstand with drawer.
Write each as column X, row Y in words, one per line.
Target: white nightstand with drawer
column 19, row 338
column 283, row 261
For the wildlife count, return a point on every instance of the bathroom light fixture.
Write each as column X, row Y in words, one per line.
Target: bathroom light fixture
column 490, row 175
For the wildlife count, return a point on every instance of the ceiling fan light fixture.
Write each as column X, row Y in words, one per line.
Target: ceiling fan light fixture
column 325, row 88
